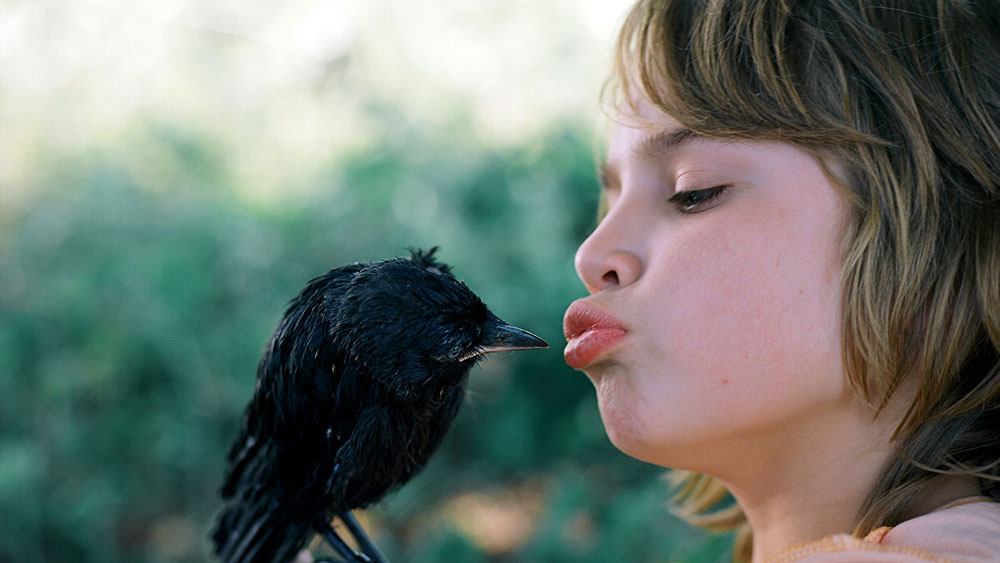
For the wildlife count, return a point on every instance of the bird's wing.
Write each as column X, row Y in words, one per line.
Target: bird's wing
column 286, row 439
column 287, row 369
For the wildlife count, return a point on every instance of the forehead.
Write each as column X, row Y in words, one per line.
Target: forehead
column 648, row 134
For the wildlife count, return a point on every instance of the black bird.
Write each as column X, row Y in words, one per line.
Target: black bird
column 355, row 390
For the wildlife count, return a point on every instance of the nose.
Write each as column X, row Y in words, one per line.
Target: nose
column 608, row 258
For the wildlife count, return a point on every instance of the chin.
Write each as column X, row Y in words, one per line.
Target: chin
column 633, row 445
column 656, row 443
column 642, row 448
column 619, row 414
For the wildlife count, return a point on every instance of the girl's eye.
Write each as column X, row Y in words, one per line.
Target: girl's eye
column 691, row 201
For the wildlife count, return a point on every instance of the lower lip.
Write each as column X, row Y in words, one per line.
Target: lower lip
column 588, row 347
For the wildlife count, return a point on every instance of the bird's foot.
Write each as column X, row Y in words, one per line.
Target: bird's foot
column 359, row 535
column 339, row 545
column 369, row 553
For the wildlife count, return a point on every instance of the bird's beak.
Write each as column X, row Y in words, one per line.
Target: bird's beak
column 502, row 337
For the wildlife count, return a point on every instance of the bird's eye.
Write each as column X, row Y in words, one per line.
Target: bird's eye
column 458, row 353
column 468, row 354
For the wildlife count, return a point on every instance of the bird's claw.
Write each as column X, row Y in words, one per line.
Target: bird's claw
column 369, row 553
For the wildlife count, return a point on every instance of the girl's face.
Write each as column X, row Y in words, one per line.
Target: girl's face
column 713, row 325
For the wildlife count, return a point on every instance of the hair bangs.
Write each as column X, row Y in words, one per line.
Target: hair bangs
column 725, row 69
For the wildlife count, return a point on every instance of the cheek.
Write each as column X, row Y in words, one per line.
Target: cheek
column 761, row 290
column 747, row 331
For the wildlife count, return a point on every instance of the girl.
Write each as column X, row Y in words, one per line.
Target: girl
column 795, row 286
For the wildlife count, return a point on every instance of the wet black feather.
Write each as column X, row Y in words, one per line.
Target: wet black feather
column 355, row 390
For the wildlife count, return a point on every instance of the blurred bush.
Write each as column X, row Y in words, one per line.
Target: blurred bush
column 149, row 244
column 131, row 320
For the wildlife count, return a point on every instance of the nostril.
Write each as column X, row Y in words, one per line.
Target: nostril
column 610, row 278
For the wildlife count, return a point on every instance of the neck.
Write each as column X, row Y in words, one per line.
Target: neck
column 810, row 480
column 784, row 518
column 807, row 500
column 813, row 482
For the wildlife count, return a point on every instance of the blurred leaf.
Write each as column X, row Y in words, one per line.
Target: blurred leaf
column 142, row 271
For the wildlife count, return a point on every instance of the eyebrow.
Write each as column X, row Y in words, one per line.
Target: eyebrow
column 661, row 141
column 653, row 144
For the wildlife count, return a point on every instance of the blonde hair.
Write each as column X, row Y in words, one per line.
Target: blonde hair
column 905, row 94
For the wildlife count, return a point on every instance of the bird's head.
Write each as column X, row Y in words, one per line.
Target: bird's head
column 417, row 327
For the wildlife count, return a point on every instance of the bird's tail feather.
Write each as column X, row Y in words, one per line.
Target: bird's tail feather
column 258, row 534
column 254, row 527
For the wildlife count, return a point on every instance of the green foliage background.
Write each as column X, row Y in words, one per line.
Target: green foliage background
column 139, row 281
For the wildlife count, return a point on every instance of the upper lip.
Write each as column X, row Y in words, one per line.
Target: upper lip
column 581, row 317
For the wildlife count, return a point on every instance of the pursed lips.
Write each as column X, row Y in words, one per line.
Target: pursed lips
column 590, row 334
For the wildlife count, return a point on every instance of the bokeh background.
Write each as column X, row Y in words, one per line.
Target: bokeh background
column 171, row 173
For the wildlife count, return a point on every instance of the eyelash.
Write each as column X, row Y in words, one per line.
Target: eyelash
column 689, row 201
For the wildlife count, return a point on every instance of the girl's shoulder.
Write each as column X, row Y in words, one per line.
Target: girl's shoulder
column 963, row 531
